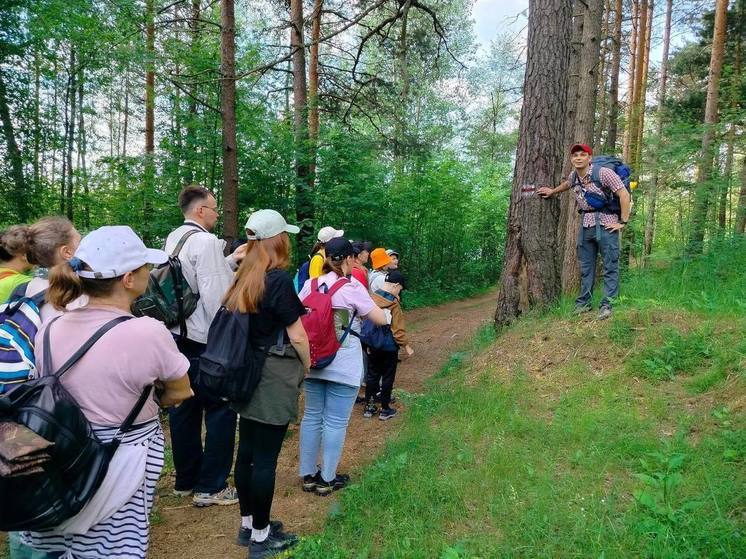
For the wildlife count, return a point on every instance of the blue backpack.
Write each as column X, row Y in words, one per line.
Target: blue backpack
column 377, row 337
column 302, row 275
column 20, row 320
column 608, row 203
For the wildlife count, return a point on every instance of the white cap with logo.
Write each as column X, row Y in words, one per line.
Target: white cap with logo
column 327, row 233
column 114, row 250
column 266, row 224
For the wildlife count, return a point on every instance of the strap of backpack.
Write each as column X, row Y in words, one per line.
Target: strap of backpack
column 314, row 284
column 134, row 412
column 83, row 349
column 183, row 240
column 349, row 328
column 339, row 284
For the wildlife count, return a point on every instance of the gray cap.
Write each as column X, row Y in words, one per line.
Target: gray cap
column 266, row 224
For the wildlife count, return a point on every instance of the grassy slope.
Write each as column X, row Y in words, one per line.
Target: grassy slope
column 566, row 437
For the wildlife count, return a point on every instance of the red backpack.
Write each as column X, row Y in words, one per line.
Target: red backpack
column 319, row 323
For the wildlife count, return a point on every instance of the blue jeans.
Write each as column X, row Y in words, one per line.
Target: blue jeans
column 19, row 550
column 324, row 426
column 591, row 240
column 204, row 470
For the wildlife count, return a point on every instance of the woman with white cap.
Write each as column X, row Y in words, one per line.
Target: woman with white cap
column 264, row 290
column 313, row 268
column 111, row 268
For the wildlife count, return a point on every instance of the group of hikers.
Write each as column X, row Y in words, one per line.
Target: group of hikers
column 86, row 288
column 91, row 281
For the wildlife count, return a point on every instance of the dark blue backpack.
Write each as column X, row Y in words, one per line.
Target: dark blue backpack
column 608, row 203
column 377, row 337
column 302, row 276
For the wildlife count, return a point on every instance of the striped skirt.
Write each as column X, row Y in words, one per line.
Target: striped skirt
column 124, row 533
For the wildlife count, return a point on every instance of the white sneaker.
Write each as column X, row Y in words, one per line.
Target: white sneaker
column 227, row 496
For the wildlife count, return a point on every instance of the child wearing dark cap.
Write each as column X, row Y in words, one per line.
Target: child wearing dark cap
column 383, row 359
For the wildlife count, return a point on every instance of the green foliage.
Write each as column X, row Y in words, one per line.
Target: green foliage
column 676, row 353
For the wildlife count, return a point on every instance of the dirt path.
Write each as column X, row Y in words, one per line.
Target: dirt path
column 186, row 532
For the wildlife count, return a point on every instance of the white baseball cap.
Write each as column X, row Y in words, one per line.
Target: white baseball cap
column 112, row 251
column 327, row 233
column 268, row 223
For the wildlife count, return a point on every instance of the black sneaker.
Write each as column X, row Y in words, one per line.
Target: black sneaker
column 272, row 546
column 377, row 398
column 370, row 410
column 324, row 488
column 360, row 399
column 311, row 481
column 244, row 534
column 386, row 414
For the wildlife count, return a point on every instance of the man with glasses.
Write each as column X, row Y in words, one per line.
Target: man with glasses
column 202, row 470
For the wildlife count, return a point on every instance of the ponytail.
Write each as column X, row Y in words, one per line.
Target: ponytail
column 65, row 286
column 333, row 266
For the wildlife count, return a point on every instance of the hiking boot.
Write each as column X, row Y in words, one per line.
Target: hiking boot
column 311, row 481
column 370, row 410
column 360, row 399
column 182, row 492
column 582, row 309
column 227, row 496
column 244, row 534
column 324, row 488
column 272, row 546
column 387, row 413
column 604, row 312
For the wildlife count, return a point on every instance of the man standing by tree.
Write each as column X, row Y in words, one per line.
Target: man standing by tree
column 601, row 225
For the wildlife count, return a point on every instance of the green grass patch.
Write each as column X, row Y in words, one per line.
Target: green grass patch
column 593, row 455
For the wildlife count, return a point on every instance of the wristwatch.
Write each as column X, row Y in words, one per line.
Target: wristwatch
column 622, row 222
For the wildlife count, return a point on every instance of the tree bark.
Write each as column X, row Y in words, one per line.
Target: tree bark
column 37, row 121
column 14, row 154
column 583, row 126
column 531, row 275
column 638, row 98
column 82, row 149
column 228, row 110
column 603, row 77
column 149, row 171
column 72, row 92
column 313, row 89
column 652, row 192
column 304, row 199
column 631, row 80
column 703, row 188
column 741, row 213
column 643, row 90
column 191, row 124
column 401, row 62
column 731, row 138
column 616, row 58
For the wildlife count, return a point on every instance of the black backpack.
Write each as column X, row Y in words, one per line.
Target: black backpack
column 230, row 367
column 168, row 297
column 78, row 459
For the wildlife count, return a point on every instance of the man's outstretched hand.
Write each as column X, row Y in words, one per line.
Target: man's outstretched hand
column 545, row 191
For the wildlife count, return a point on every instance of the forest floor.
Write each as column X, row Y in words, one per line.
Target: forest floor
column 183, row 531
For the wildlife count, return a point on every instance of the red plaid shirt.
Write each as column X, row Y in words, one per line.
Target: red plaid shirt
column 609, row 179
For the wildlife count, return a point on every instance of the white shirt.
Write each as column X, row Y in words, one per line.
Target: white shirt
column 207, row 272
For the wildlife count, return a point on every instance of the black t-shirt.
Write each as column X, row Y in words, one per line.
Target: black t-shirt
column 279, row 308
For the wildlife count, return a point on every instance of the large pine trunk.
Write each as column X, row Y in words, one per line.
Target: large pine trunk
column 616, row 58
column 703, row 189
column 303, row 195
column 313, row 88
column 149, row 175
column 228, row 112
column 585, row 114
column 531, row 275
column 14, row 154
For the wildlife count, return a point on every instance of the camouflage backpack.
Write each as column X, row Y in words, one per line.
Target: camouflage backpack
column 168, row 297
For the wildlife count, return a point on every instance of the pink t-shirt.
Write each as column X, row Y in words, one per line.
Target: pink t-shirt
column 108, row 380
column 353, row 296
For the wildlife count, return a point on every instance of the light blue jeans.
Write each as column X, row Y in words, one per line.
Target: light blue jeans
column 324, row 425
